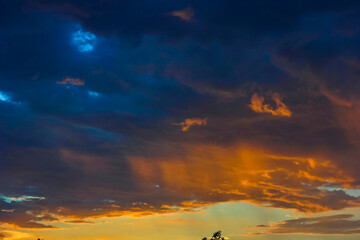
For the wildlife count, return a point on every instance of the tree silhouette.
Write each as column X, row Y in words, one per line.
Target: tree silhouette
column 216, row 236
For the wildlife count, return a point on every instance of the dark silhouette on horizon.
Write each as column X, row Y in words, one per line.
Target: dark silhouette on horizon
column 216, row 236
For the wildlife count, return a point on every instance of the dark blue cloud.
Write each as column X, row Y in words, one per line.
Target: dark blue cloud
column 222, row 20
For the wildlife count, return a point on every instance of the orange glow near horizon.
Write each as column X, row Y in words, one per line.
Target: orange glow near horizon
column 215, row 174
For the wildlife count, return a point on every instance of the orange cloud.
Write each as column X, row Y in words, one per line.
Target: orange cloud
column 71, row 81
column 28, row 219
column 189, row 122
column 334, row 98
column 205, row 175
column 257, row 105
column 211, row 174
column 186, row 14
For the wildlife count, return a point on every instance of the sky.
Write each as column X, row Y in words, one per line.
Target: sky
column 159, row 119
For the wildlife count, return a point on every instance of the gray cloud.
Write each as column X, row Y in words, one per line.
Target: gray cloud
column 341, row 224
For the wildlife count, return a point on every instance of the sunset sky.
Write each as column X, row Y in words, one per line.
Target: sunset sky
column 172, row 119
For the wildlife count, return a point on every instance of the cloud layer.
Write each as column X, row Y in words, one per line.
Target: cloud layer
column 93, row 95
column 341, row 224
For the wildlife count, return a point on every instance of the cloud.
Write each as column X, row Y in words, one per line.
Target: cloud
column 4, row 97
column 340, row 224
column 186, row 14
column 261, row 226
column 218, row 20
column 29, row 219
column 334, row 98
column 257, row 105
column 189, row 122
column 203, row 175
column 85, row 41
column 79, row 222
column 160, row 61
column 93, row 94
column 20, row 199
column 71, row 81
column 212, row 174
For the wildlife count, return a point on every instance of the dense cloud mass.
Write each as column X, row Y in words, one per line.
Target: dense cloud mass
column 111, row 108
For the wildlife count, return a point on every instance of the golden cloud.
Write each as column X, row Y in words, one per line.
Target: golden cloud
column 257, row 105
column 205, row 175
column 209, row 174
column 189, row 122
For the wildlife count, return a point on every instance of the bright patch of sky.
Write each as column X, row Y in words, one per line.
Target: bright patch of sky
column 8, row 210
column 93, row 94
column 4, row 97
column 85, row 41
column 350, row 192
column 20, row 199
column 232, row 218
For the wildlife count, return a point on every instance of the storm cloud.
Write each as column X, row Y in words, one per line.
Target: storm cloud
column 103, row 107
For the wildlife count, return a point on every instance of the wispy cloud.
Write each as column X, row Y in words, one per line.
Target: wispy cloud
column 341, row 224
column 71, row 81
column 334, row 98
column 79, row 222
column 189, row 122
column 185, row 14
column 20, row 199
column 257, row 105
column 6, row 98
